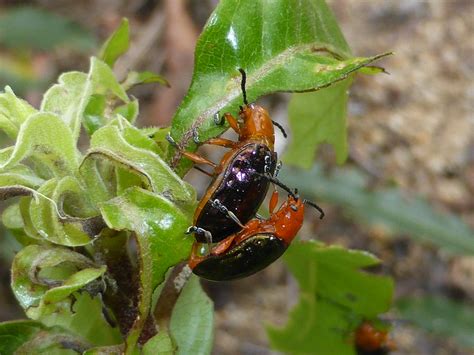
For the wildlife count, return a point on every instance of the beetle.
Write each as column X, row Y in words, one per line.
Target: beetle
column 241, row 180
column 256, row 246
column 372, row 341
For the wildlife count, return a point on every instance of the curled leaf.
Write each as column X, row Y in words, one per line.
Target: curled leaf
column 44, row 276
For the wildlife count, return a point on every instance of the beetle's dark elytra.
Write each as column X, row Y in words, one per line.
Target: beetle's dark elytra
column 239, row 189
column 250, row 256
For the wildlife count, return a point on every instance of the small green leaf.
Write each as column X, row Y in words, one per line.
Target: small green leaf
column 70, row 98
column 389, row 208
column 440, row 316
column 94, row 113
column 335, row 295
column 45, row 137
column 315, row 118
column 129, row 111
column 116, row 45
column 13, row 334
column 29, row 28
column 192, row 320
column 161, row 344
column 160, row 229
column 293, row 47
column 86, row 320
column 58, row 226
column 43, row 277
column 13, row 112
column 112, row 144
column 145, row 77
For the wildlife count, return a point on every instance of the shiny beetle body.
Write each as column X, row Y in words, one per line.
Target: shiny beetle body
column 252, row 249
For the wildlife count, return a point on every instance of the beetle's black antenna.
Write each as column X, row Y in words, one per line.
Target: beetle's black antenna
column 321, row 212
column 281, row 128
column 280, row 184
column 242, row 85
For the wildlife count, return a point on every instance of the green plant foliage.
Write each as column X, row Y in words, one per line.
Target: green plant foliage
column 44, row 276
column 286, row 46
column 335, row 296
column 31, row 28
column 85, row 319
column 440, row 316
column 15, row 333
column 315, row 118
column 159, row 226
column 13, row 112
column 146, row 77
column 160, row 344
column 116, row 45
column 78, row 96
column 385, row 208
column 192, row 320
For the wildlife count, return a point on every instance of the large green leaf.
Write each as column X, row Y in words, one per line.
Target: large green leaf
column 45, row 137
column 44, row 277
column 13, row 112
column 286, row 46
column 335, row 295
column 69, row 99
column 192, row 320
column 315, row 118
column 440, row 316
column 387, row 208
column 160, row 228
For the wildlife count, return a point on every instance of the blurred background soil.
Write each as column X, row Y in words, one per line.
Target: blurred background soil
column 413, row 128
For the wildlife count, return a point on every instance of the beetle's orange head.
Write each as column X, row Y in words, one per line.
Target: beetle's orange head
column 256, row 124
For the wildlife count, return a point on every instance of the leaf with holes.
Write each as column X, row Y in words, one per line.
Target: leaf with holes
column 287, row 46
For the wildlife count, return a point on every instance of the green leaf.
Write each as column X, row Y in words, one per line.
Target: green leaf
column 13, row 112
column 45, row 137
column 160, row 228
column 388, row 209
column 13, row 334
column 335, row 295
column 32, row 28
column 192, row 320
column 70, row 98
column 129, row 111
column 114, row 145
column 44, row 276
column 57, row 226
column 116, row 45
column 440, row 316
column 287, row 46
column 145, row 77
column 315, row 118
column 85, row 319
column 94, row 117
column 160, row 344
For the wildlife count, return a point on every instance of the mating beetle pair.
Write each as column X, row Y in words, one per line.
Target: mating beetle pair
column 240, row 183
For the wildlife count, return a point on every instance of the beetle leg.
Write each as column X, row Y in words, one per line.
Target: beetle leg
column 196, row 158
column 232, row 122
column 203, row 232
column 222, row 142
column 218, row 205
column 277, row 169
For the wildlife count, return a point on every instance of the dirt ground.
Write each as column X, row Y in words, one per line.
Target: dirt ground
column 414, row 127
